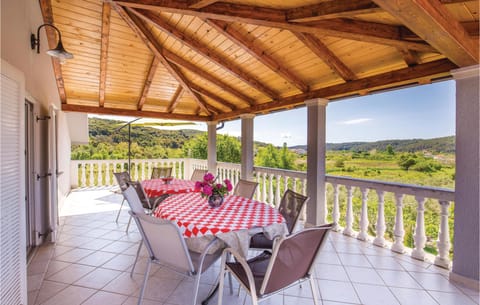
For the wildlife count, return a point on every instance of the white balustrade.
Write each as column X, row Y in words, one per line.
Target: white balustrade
column 274, row 182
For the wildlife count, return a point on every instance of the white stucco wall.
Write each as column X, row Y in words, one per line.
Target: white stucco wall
column 20, row 18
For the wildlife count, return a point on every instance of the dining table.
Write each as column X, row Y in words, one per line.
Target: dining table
column 163, row 186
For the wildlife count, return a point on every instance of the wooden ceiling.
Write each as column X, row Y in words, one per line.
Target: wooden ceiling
column 207, row 60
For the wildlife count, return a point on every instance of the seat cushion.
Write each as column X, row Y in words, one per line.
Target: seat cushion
column 260, row 241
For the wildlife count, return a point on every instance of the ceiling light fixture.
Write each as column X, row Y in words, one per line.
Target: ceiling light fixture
column 59, row 51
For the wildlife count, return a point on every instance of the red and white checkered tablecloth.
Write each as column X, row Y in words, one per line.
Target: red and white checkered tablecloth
column 196, row 218
column 157, row 187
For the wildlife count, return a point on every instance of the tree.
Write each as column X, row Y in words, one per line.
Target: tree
column 228, row 148
column 390, row 150
column 270, row 156
column 407, row 160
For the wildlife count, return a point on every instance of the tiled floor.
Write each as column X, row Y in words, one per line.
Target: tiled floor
column 90, row 265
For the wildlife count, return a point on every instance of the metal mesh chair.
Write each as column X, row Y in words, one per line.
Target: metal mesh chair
column 245, row 188
column 161, row 172
column 198, row 174
column 122, row 179
column 166, row 247
column 290, row 207
column 290, row 263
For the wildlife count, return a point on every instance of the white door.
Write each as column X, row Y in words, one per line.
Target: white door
column 52, row 169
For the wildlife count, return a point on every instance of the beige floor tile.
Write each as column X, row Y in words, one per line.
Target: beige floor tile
column 103, row 298
column 97, row 258
column 48, row 290
column 54, row 266
column 72, row 295
column 118, row 247
column 124, row 284
column 71, row 274
column 34, row 282
column 98, row 278
column 74, row 255
column 375, row 295
column 120, row 262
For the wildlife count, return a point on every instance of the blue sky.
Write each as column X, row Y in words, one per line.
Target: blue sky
column 421, row 112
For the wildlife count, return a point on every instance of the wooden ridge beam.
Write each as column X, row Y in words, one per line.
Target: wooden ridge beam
column 437, row 26
column 247, row 45
column 148, row 82
column 328, row 57
column 106, row 13
column 133, row 112
column 200, row 3
column 331, row 9
column 47, row 13
column 139, row 28
column 367, row 84
column 364, row 31
column 213, row 96
column 172, row 57
column 205, row 51
column 410, row 57
column 175, row 99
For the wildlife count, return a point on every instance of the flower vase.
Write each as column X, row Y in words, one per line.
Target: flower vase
column 215, row 200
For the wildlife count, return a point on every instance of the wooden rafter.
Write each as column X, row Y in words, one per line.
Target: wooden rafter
column 133, row 112
column 213, row 96
column 410, row 57
column 332, row 9
column 205, row 51
column 175, row 99
column 353, row 30
column 353, row 87
column 246, row 44
column 323, row 52
column 200, row 3
column 139, row 28
column 106, row 13
column 436, row 25
column 46, row 8
column 148, row 82
column 172, row 57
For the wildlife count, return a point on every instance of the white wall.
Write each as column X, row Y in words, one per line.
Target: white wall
column 20, row 18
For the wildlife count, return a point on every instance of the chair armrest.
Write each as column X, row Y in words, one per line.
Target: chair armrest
column 242, row 261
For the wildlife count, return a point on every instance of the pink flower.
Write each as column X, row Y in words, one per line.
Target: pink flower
column 209, row 177
column 228, row 184
column 207, row 190
column 198, row 185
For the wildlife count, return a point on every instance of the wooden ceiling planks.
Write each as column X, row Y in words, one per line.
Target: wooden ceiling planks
column 268, row 44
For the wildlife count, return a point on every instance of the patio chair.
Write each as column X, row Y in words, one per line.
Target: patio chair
column 290, row 263
column 198, row 174
column 149, row 204
column 245, row 188
column 122, row 179
column 161, row 172
column 167, row 248
column 291, row 206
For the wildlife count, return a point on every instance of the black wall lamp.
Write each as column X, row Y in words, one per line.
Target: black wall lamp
column 59, row 52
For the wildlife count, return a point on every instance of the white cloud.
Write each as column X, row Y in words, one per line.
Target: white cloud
column 356, row 121
column 286, row 135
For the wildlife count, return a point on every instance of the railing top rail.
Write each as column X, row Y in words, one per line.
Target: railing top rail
column 394, row 187
column 283, row 172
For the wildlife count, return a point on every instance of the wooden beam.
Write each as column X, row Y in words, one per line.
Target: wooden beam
column 410, row 57
column 106, row 13
column 323, row 52
column 46, row 8
column 148, row 82
column 368, row 32
column 437, row 26
column 437, row 68
column 246, row 44
column 140, row 29
column 172, row 57
column 175, row 99
column 133, row 112
column 200, row 3
column 205, row 51
column 213, row 96
column 331, row 9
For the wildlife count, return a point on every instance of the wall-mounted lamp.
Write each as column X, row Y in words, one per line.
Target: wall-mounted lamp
column 59, row 52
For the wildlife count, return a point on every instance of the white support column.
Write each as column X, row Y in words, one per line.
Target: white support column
column 467, row 177
column 247, row 147
column 316, row 119
column 212, row 147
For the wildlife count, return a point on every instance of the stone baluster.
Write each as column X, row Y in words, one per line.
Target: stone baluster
column 349, row 215
column 270, row 189
column 277, row 190
column 304, row 188
column 91, row 176
column 264, row 188
column 419, row 236
column 285, row 184
column 99, row 173
column 398, row 230
column 294, row 184
column 336, row 208
column 443, row 242
column 381, row 227
column 363, row 234
column 83, row 180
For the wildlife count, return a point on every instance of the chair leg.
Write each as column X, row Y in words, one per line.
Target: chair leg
column 128, row 225
column 144, row 285
column 118, row 214
column 196, row 287
column 314, row 290
column 230, row 276
column 221, row 281
column 136, row 257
